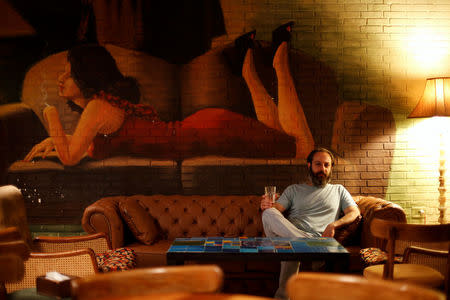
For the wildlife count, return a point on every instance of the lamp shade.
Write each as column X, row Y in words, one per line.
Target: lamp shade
column 435, row 100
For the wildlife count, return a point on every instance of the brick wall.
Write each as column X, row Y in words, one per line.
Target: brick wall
column 366, row 58
column 376, row 50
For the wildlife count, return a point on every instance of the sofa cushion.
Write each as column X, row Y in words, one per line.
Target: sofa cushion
column 347, row 234
column 139, row 221
column 148, row 256
column 204, row 215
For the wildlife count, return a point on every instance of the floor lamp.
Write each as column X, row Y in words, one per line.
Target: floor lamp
column 435, row 102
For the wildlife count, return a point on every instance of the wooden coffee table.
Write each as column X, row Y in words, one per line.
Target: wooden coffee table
column 259, row 248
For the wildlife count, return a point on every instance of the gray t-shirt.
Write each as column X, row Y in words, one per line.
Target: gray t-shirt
column 312, row 208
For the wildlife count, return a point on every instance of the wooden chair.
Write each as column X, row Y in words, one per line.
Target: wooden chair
column 327, row 286
column 68, row 255
column 13, row 252
column 11, row 243
column 138, row 282
column 407, row 271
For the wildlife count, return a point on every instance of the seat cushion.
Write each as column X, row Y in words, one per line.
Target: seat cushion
column 409, row 273
column 151, row 255
column 120, row 259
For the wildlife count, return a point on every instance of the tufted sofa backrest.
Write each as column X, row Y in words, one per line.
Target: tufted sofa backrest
column 190, row 216
column 213, row 215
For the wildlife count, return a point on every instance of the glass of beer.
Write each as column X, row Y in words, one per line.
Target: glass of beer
column 270, row 191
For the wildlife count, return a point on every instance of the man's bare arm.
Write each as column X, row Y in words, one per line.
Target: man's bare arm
column 266, row 203
column 350, row 214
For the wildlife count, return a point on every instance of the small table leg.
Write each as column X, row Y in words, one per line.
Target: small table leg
column 175, row 262
column 338, row 266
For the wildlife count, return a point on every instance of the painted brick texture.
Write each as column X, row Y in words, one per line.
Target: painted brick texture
column 380, row 52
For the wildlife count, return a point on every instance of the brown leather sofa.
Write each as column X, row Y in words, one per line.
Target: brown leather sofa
column 148, row 224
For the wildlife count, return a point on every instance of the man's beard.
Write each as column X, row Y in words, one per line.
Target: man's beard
column 319, row 179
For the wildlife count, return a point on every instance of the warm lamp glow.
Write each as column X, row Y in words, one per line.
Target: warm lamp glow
column 435, row 102
column 423, row 143
column 427, row 48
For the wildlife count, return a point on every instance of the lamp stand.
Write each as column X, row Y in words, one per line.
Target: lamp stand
column 442, row 189
column 435, row 102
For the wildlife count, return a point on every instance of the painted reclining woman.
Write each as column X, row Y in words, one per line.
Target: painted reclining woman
column 113, row 123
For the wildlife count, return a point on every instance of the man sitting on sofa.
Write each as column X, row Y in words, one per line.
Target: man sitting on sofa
column 313, row 209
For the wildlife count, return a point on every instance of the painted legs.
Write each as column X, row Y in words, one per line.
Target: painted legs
column 290, row 111
column 265, row 108
column 288, row 116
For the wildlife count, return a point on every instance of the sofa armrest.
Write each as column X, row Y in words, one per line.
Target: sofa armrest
column 104, row 216
column 372, row 207
column 20, row 129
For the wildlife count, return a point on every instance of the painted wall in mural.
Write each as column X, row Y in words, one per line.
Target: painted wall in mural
column 164, row 112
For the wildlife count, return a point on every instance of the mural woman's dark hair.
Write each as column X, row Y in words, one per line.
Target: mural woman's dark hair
column 94, row 70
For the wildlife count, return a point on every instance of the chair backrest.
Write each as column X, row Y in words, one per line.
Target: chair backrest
column 392, row 232
column 11, row 243
column 13, row 252
column 13, row 212
column 138, row 282
column 326, row 286
column 410, row 232
column 79, row 263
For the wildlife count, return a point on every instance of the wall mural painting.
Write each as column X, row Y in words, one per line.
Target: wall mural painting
column 115, row 115
column 113, row 122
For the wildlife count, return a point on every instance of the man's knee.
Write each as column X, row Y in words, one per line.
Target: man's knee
column 268, row 215
column 267, row 218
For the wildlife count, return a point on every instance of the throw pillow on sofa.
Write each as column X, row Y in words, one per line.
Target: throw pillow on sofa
column 376, row 256
column 120, row 259
column 139, row 221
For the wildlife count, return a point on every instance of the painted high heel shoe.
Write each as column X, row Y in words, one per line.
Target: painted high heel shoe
column 235, row 55
column 281, row 34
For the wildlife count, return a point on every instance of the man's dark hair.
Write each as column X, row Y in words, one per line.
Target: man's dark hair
column 311, row 155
